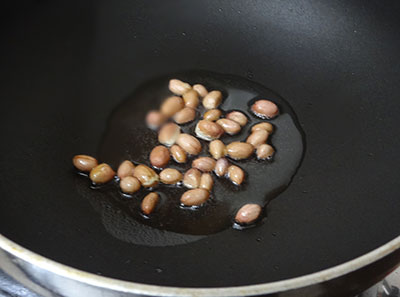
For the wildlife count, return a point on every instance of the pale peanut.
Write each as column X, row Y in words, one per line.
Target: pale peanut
column 169, row 134
column 235, row 174
column 221, row 167
column 178, row 87
column 191, row 99
column 185, row 115
column 149, row 203
column 172, row 105
column 84, row 163
column 189, row 143
column 155, row 119
column 204, row 164
column 248, row 214
column 129, row 184
column 263, row 126
column 159, row 156
column 206, row 182
column 229, row 126
column 178, row 154
column 208, row 130
column 265, row 151
column 265, row 109
column 125, row 169
column 212, row 100
column 195, row 197
column 102, row 174
column 257, row 138
column 239, row 150
column 200, row 89
column 191, row 179
column 217, row 149
column 212, row 115
column 170, row 176
column 147, row 176
column 238, row 117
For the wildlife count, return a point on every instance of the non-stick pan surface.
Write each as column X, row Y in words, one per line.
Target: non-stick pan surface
column 66, row 65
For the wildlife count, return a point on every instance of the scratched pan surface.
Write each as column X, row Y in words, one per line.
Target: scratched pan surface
column 66, row 66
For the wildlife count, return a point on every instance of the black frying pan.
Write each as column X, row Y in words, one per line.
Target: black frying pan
column 65, row 66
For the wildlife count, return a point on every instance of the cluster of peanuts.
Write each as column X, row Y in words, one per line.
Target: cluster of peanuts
column 181, row 108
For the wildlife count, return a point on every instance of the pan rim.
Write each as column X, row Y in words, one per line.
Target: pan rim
column 154, row 290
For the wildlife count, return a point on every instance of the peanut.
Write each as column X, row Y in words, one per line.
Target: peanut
column 257, row 138
column 205, row 164
column 217, row 149
column 159, row 156
column 248, row 214
column 195, row 197
column 235, row 174
column 189, row 143
column 149, row 203
column 129, row 184
column 200, row 89
column 206, row 182
column 146, row 176
column 191, row 99
column 208, row 130
column 239, row 150
column 155, row 119
column 229, row 126
column 212, row 115
column 191, row 179
column 172, row 105
column 185, row 115
column 178, row 154
column 263, row 126
column 238, row 117
column 125, row 169
column 265, row 151
column 102, row 174
column 169, row 134
column 265, row 109
column 170, row 176
column 212, row 100
column 84, row 163
column 221, row 167
column 178, row 87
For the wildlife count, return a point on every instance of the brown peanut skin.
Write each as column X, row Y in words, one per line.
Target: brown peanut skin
column 191, row 99
column 178, row 87
column 237, row 117
column 155, row 119
column 147, row 176
column 149, row 203
column 263, row 126
column 159, row 156
column 168, row 134
column 125, row 169
column 195, row 197
column 236, row 174
column 217, row 149
column 212, row 100
column 189, row 143
column 205, row 164
column 129, row 184
column 208, row 130
column 229, row 126
column 206, row 182
column 178, row 154
column 171, row 106
column 239, row 150
column 185, row 115
column 248, row 214
column 212, row 115
column 170, row 176
column 192, row 178
column 257, row 138
column 102, row 174
column 221, row 167
column 84, row 163
column 200, row 89
column 265, row 151
column 265, row 109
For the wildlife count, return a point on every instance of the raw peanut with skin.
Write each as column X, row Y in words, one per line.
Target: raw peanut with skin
column 212, row 100
column 205, row 164
column 265, row 151
column 191, row 99
column 155, row 119
column 178, row 87
column 159, row 156
column 178, row 154
column 206, row 182
column 200, row 89
column 102, row 174
column 169, row 134
column 248, row 214
column 129, row 184
column 171, row 106
column 149, row 203
column 237, row 117
column 239, row 150
column 208, row 130
column 235, row 174
column 212, row 115
column 265, row 109
column 257, row 138
column 185, row 115
column 191, row 179
column 170, row 176
column 84, row 162
column 147, row 176
column 263, row 126
column 195, row 197
column 217, row 149
column 221, row 167
column 189, row 143
column 125, row 169
column 229, row 126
